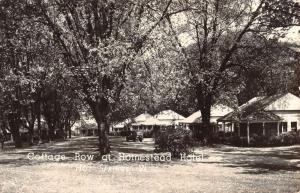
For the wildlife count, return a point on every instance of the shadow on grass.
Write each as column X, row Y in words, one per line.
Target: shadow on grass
column 251, row 160
column 68, row 148
column 260, row 160
column 264, row 168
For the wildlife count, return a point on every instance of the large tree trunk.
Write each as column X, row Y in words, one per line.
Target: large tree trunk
column 67, row 129
column 51, row 123
column 39, row 115
column 39, row 123
column 70, row 132
column 100, row 109
column 51, row 132
column 104, row 146
column 31, row 133
column 14, row 129
column 17, row 138
column 67, row 124
column 31, row 122
column 206, row 125
column 204, row 100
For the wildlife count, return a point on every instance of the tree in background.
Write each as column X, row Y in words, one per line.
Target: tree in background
column 221, row 33
column 29, row 71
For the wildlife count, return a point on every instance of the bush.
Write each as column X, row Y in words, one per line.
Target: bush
column 259, row 140
column 123, row 133
column 175, row 141
column 218, row 137
column 289, row 138
column 233, row 140
column 274, row 141
column 148, row 134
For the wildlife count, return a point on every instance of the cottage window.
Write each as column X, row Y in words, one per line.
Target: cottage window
column 294, row 126
column 284, row 126
column 280, row 129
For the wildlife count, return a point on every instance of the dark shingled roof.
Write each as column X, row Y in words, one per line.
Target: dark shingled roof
column 253, row 110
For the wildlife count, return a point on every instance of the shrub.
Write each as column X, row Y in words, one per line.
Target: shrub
column 233, row 140
column 274, row 141
column 259, row 140
column 148, row 134
column 175, row 141
column 218, row 137
column 123, row 133
column 298, row 137
column 112, row 133
column 228, row 134
column 289, row 138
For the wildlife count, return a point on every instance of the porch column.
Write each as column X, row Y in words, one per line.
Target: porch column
column 248, row 132
column 93, row 132
column 223, row 127
column 289, row 128
column 239, row 129
column 264, row 129
column 278, row 133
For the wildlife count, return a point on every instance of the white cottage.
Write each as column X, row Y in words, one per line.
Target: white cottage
column 86, row 126
column 269, row 115
column 288, row 108
column 193, row 122
column 145, row 122
column 169, row 117
column 120, row 126
column 217, row 111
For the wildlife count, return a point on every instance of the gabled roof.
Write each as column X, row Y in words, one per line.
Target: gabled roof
column 149, row 121
column 122, row 124
column 217, row 110
column 251, row 116
column 142, row 117
column 259, row 108
column 193, row 118
column 146, row 119
column 168, row 115
column 286, row 102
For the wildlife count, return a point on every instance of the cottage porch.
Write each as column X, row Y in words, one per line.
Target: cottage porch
column 250, row 121
column 248, row 129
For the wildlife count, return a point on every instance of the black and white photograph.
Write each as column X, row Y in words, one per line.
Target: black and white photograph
column 153, row 96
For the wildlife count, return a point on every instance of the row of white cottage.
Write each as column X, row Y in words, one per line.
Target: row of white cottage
column 147, row 122
column 166, row 118
column 270, row 115
column 261, row 115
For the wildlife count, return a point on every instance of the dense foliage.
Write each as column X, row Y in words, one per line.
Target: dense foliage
column 176, row 141
column 289, row 138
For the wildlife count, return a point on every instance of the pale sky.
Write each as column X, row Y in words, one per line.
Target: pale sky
column 292, row 36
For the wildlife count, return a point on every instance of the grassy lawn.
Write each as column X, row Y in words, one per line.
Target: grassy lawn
column 223, row 169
